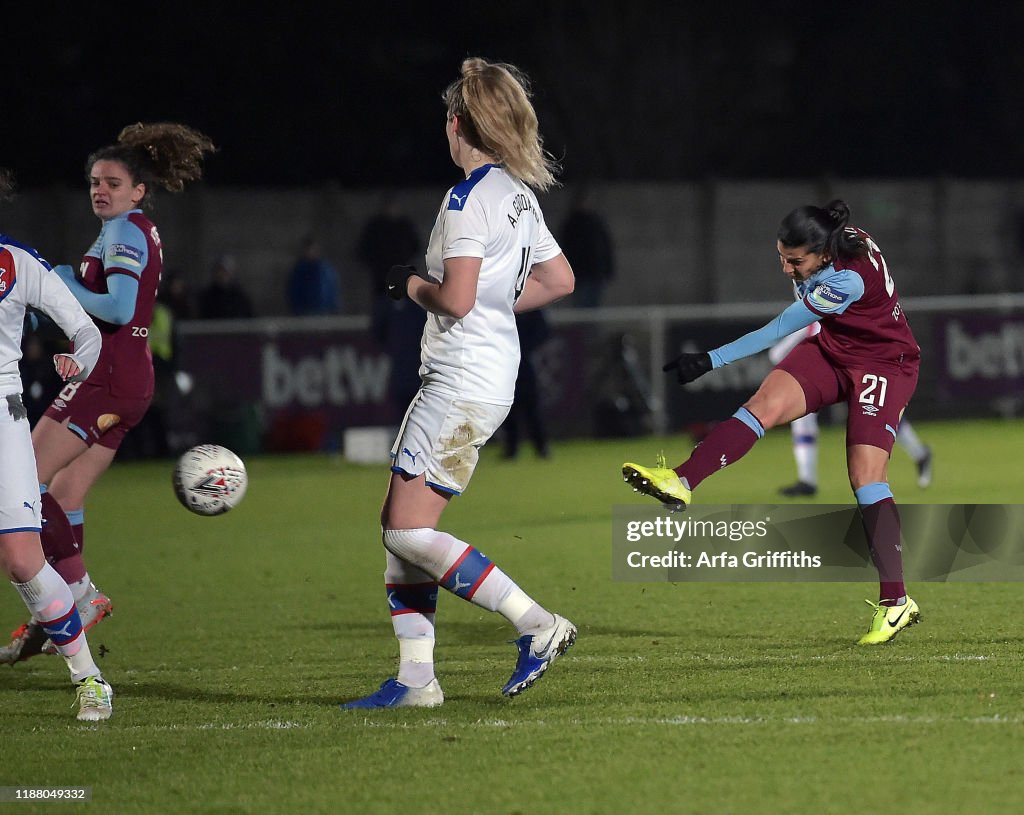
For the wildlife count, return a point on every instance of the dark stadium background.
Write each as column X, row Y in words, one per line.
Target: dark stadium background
column 349, row 94
column 696, row 126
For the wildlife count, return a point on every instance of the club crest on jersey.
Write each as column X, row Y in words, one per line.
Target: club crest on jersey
column 7, row 276
column 125, row 253
column 824, row 296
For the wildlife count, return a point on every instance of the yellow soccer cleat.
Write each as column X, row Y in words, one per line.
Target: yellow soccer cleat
column 658, row 482
column 888, row 621
column 95, row 699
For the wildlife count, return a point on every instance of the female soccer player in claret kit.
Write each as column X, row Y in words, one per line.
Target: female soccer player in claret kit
column 26, row 280
column 490, row 255
column 116, row 283
column 865, row 355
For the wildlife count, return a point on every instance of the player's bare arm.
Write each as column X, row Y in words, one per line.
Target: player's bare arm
column 455, row 295
column 549, row 281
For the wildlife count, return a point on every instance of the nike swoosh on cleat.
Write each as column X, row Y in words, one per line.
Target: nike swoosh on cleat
column 896, row 622
column 543, row 654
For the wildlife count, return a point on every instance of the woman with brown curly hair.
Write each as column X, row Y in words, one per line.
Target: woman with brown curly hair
column 116, row 283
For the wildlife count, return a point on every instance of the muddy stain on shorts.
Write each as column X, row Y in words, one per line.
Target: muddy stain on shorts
column 458, row 455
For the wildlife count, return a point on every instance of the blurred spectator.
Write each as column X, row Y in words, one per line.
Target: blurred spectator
column 388, row 238
column 224, row 298
column 313, row 283
column 398, row 327
column 526, row 408
column 175, row 293
column 585, row 239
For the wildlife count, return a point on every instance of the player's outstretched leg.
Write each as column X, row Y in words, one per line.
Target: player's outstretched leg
column 467, row 573
column 725, row 445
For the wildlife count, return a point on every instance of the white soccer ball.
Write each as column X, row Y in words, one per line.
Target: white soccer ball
column 210, row 479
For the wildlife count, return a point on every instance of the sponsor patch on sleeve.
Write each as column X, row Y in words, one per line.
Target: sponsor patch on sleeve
column 826, row 298
column 125, row 254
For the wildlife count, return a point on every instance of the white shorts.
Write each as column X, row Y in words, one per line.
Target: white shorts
column 441, row 437
column 20, row 507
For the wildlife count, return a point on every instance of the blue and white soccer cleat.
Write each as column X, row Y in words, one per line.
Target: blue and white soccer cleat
column 537, row 652
column 393, row 693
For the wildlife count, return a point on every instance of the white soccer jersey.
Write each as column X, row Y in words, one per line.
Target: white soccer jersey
column 495, row 217
column 26, row 280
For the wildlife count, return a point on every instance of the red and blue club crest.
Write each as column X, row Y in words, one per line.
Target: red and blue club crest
column 7, row 276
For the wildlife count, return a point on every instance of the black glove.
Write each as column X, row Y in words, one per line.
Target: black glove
column 689, row 367
column 398, row 280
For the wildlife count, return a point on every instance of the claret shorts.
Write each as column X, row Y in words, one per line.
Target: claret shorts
column 876, row 395
column 95, row 414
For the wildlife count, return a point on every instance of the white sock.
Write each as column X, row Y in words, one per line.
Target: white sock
column 51, row 604
column 415, row 661
column 805, row 448
column 411, row 593
column 535, row 618
column 80, row 587
column 908, row 439
column 463, row 571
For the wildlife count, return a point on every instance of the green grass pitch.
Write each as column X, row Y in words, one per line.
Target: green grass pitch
column 235, row 637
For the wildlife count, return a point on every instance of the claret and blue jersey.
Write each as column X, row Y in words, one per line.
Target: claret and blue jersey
column 857, row 304
column 118, row 281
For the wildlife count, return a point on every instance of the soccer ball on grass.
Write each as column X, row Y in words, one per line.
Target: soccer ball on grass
column 209, row 479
